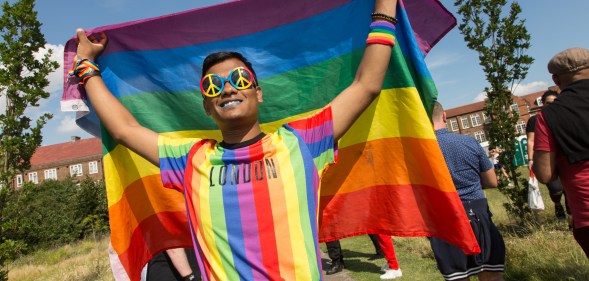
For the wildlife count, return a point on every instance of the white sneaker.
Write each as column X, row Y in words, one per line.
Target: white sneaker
column 385, row 267
column 391, row 274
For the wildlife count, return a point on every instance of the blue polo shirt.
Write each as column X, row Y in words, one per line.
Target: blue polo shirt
column 466, row 159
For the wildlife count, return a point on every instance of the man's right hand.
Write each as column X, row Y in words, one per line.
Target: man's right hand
column 89, row 47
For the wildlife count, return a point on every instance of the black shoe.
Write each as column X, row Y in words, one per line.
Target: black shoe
column 336, row 266
column 376, row 256
column 559, row 212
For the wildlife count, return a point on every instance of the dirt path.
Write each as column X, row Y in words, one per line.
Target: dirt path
column 340, row 276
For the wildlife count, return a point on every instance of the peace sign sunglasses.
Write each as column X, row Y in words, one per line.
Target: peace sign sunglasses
column 212, row 85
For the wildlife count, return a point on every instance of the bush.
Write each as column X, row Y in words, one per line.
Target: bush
column 53, row 213
column 10, row 249
column 92, row 207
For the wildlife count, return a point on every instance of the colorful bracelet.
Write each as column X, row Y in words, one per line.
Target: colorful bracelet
column 381, row 16
column 381, row 32
column 84, row 69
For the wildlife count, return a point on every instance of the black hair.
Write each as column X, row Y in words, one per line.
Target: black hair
column 218, row 57
column 547, row 94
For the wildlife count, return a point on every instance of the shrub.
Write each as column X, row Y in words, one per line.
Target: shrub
column 92, row 207
column 53, row 213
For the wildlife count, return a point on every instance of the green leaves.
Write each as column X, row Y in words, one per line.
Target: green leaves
column 52, row 213
column 23, row 79
column 501, row 39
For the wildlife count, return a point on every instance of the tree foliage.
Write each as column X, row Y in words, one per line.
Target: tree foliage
column 501, row 40
column 23, row 79
column 52, row 213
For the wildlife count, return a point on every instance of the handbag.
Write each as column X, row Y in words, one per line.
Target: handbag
column 534, row 197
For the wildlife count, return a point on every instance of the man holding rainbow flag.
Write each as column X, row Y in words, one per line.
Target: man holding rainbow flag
column 390, row 177
column 236, row 190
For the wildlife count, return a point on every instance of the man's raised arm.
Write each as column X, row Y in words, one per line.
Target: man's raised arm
column 367, row 84
column 117, row 120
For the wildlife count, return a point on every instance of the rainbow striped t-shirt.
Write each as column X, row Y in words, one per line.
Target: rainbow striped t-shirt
column 253, row 210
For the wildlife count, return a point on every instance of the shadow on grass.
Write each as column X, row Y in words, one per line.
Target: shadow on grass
column 357, row 262
column 530, row 227
column 518, row 230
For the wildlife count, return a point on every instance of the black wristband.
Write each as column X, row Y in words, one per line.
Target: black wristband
column 381, row 16
column 190, row 277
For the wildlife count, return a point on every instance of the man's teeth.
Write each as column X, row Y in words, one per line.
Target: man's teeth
column 230, row 104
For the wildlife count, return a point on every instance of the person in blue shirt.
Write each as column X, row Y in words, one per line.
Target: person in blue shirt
column 471, row 171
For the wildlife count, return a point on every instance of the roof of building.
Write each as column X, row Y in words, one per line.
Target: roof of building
column 74, row 149
column 465, row 109
column 529, row 99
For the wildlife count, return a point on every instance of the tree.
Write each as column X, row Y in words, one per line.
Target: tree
column 501, row 40
column 23, row 78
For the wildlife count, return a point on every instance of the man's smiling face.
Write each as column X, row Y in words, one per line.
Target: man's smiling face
column 232, row 107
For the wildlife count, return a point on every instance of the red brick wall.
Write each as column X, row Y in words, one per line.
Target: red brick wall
column 63, row 170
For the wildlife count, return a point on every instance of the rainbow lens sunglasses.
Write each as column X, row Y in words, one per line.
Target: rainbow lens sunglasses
column 212, row 85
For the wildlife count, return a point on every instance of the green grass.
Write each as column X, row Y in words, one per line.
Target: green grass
column 84, row 260
column 548, row 252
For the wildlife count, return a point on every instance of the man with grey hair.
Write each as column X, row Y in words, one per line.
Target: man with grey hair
column 471, row 171
column 561, row 146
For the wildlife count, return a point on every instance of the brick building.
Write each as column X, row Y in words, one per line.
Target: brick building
column 78, row 158
column 471, row 119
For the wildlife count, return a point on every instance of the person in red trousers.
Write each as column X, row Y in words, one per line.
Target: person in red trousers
column 391, row 268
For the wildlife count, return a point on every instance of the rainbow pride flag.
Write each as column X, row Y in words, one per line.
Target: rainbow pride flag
column 391, row 177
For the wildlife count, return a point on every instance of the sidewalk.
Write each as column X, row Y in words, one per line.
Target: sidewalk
column 340, row 276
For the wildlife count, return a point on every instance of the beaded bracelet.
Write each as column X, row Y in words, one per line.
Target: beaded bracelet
column 381, row 32
column 84, row 69
column 385, row 17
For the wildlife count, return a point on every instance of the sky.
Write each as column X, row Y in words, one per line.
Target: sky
column 553, row 26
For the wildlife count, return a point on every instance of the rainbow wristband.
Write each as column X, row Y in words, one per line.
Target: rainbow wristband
column 84, row 69
column 381, row 32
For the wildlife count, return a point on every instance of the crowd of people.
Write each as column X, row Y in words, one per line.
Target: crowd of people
column 231, row 96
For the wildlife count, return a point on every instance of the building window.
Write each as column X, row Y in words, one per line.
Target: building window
column 19, row 180
column 475, row 119
column 539, row 101
column 480, row 136
column 453, row 125
column 51, row 174
column 464, row 121
column 33, row 177
column 93, row 167
column 520, row 127
column 486, row 118
column 515, row 108
column 76, row 170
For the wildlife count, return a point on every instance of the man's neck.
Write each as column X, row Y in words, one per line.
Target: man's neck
column 439, row 125
column 570, row 78
column 237, row 135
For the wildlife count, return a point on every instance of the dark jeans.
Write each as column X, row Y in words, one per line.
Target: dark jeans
column 334, row 250
column 160, row 267
column 374, row 239
column 582, row 237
